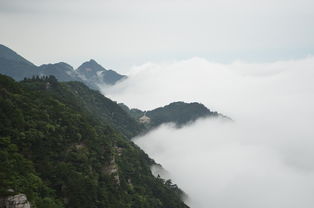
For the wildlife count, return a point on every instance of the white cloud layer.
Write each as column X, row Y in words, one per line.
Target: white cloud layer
column 263, row 159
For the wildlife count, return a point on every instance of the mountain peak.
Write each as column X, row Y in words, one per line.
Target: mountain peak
column 64, row 65
column 9, row 54
column 14, row 65
column 91, row 70
column 90, row 66
column 92, row 61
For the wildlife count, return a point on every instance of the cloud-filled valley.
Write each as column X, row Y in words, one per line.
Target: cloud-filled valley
column 262, row 159
column 88, row 91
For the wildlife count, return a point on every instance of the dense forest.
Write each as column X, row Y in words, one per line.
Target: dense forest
column 179, row 113
column 64, row 145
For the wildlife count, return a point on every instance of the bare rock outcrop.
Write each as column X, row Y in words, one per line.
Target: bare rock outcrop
column 15, row 201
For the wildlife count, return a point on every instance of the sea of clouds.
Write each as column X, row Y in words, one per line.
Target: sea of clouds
column 264, row 158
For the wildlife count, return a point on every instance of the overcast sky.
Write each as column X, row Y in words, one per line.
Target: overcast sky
column 120, row 33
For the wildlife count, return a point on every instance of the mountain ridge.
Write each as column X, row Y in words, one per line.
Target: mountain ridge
column 66, row 145
column 180, row 113
column 9, row 54
column 56, row 152
column 17, row 67
column 91, row 70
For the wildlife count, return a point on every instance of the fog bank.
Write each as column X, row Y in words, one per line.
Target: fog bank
column 263, row 159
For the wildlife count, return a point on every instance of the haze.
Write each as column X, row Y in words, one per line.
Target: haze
column 119, row 33
column 249, row 60
column 262, row 159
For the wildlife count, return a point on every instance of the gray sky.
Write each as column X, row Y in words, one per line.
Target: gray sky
column 120, row 33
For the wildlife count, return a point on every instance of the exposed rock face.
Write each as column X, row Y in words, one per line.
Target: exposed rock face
column 112, row 169
column 16, row 201
column 144, row 119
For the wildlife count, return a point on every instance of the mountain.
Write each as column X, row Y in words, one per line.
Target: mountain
column 8, row 54
column 15, row 65
column 103, row 109
column 62, row 71
column 90, row 73
column 61, row 152
column 93, row 72
column 179, row 113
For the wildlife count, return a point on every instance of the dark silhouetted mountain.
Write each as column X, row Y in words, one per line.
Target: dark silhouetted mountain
column 179, row 113
column 90, row 73
column 62, row 71
column 63, row 153
column 93, row 72
column 14, row 65
column 8, row 54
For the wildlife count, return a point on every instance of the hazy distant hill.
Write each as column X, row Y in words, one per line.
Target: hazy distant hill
column 8, row 54
column 180, row 113
column 90, row 73
column 62, row 71
column 94, row 72
column 14, row 65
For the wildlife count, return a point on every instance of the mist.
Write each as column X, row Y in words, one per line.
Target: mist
column 264, row 158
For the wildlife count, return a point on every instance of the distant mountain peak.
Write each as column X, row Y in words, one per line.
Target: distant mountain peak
column 62, row 65
column 14, row 65
column 91, row 70
column 90, row 66
column 66, row 65
column 9, row 54
column 92, row 61
column 180, row 113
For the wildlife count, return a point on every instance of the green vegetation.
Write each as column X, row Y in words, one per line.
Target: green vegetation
column 64, row 145
column 102, row 108
column 180, row 113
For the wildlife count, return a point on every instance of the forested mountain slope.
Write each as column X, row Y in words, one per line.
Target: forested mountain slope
column 56, row 151
column 179, row 113
column 103, row 109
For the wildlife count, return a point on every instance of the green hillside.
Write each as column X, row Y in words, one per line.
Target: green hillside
column 59, row 146
column 179, row 113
